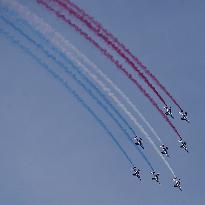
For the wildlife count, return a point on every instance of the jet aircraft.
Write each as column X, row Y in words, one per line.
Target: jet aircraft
column 184, row 116
column 155, row 176
column 183, row 145
column 136, row 172
column 177, row 183
column 138, row 142
column 164, row 150
column 168, row 111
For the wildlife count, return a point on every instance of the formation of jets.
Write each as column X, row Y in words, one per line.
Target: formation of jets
column 168, row 112
column 136, row 172
column 155, row 177
column 164, row 150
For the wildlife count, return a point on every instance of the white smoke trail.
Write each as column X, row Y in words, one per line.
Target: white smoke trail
column 78, row 58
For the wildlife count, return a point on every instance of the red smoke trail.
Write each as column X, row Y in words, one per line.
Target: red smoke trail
column 106, row 39
column 111, row 58
column 107, row 35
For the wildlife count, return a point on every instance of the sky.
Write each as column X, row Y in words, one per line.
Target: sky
column 52, row 150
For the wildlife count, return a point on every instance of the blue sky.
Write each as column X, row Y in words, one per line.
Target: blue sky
column 53, row 152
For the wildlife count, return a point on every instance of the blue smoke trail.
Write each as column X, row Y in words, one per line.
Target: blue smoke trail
column 69, row 89
column 63, row 56
column 82, row 85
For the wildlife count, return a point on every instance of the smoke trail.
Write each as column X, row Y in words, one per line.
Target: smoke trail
column 96, row 80
column 111, row 58
column 119, row 45
column 70, row 56
column 80, row 83
column 114, row 86
column 70, row 62
column 69, row 89
column 116, row 100
column 98, row 33
column 64, row 45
